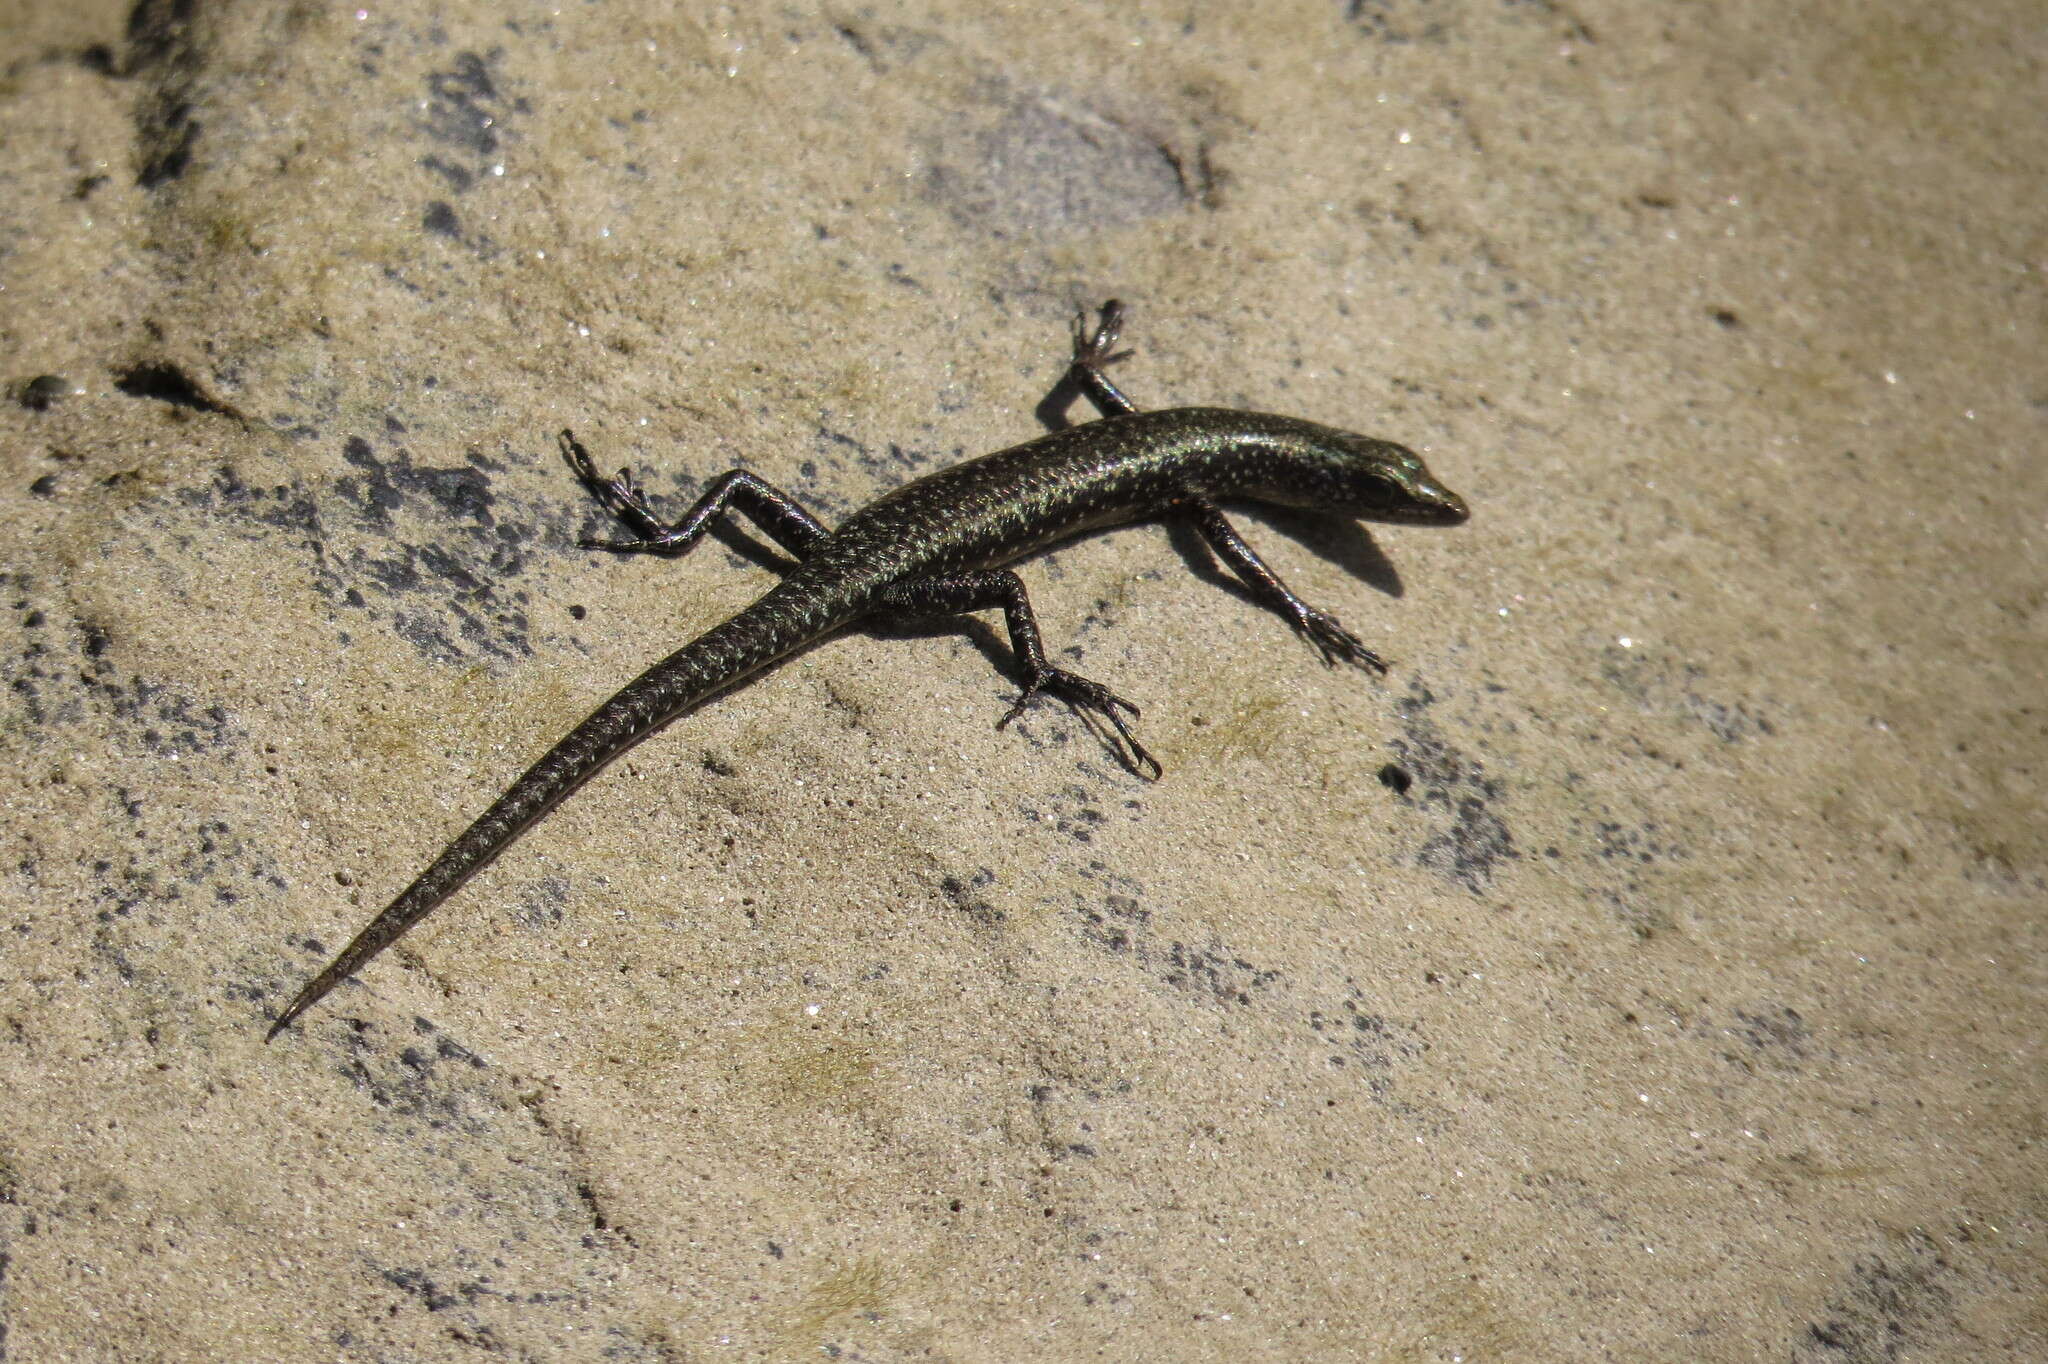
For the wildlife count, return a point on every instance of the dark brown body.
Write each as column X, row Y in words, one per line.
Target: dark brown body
column 931, row 547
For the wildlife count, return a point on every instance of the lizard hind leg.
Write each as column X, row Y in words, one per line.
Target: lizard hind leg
column 774, row 511
column 1094, row 352
column 1090, row 698
column 965, row 592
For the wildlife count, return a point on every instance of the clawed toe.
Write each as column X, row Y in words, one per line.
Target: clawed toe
column 629, row 546
column 620, row 495
column 1337, row 644
column 581, row 464
column 1097, row 348
column 1091, row 698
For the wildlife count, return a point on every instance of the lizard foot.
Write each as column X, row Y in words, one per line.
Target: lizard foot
column 1097, row 349
column 1335, row 643
column 621, row 496
column 1090, row 698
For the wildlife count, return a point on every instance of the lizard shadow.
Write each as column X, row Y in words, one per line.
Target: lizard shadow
column 1340, row 539
column 1053, row 407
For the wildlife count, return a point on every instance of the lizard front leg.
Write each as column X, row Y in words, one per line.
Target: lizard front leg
column 1094, row 351
column 1320, row 628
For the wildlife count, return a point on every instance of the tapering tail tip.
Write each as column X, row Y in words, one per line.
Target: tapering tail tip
column 304, row 1000
column 284, row 1020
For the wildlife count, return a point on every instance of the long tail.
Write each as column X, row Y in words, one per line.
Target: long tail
column 692, row 675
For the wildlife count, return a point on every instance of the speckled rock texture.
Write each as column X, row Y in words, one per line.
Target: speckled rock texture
column 1650, row 968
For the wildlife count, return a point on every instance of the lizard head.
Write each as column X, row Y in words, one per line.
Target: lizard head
column 1391, row 483
column 1376, row 480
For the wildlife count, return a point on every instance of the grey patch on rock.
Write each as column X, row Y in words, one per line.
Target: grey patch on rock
column 463, row 576
column 1116, row 925
column 1122, row 926
column 966, row 897
column 62, row 674
column 1891, row 1306
column 885, row 468
column 1072, row 811
column 166, row 56
column 1399, row 22
column 1629, row 858
column 1663, row 685
column 1455, row 788
column 440, row 219
column 464, row 110
column 1768, row 1035
column 435, row 554
column 544, row 903
column 1365, row 1041
column 428, row 1078
column 1047, row 168
column 1214, row 971
column 467, row 116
